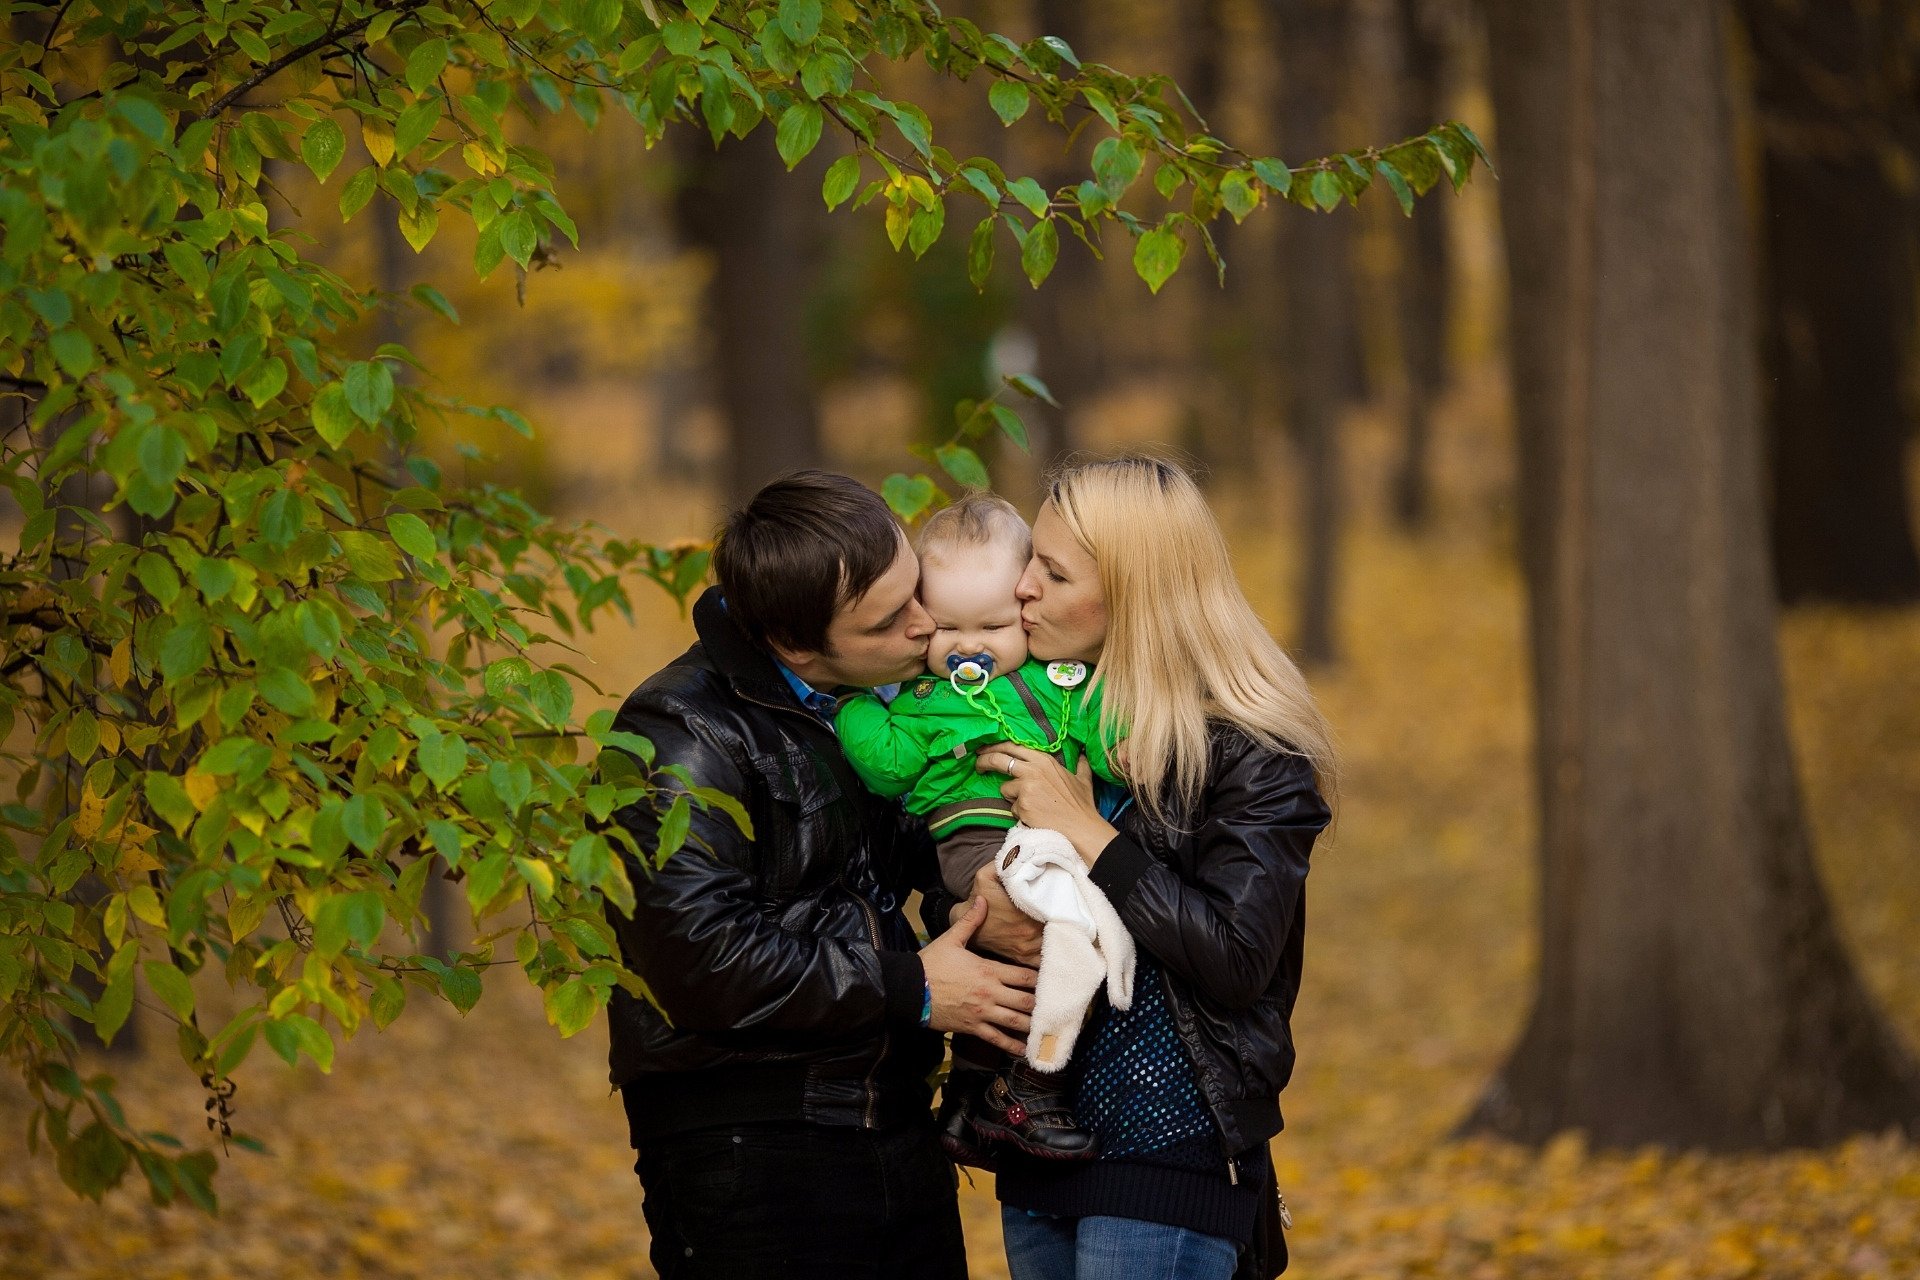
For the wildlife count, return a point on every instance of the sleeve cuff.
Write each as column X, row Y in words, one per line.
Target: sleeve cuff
column 1118, row 868
column 905, row 981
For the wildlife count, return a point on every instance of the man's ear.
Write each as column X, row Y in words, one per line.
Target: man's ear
column 793, row 659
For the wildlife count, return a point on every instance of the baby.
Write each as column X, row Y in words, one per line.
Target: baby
column 982, row 688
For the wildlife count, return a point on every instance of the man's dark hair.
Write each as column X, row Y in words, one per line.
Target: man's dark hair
column 799, row 549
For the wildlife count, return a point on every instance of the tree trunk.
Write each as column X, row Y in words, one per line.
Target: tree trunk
column 1838, row 301
column 1693, row 988
column 1422, row 281
column 1319, row 331
column 761, row 224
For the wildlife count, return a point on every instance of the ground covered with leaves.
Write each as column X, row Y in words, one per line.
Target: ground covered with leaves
column 487, row 1147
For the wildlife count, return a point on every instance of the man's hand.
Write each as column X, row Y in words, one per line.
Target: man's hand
column 973, row 994
column 1008, row 931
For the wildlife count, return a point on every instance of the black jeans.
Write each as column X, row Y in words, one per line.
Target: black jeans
column 797, row 1200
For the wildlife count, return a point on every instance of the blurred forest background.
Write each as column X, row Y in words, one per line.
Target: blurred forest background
column 1346, row 395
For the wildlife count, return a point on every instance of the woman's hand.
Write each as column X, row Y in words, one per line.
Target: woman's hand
column 1044, row 794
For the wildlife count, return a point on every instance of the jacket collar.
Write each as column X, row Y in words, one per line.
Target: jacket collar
column 748, row 668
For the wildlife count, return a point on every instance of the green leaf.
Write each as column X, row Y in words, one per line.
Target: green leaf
column 518, row 236
column 73, row 352
column 1116, row 163
column 842, row 177
column 1009, row 100
column 187, row 649
column 364, row 820
column 169, row 801
column 286, row 690
column 799, row 133
column 964, row 465
column 323, row 147
column 571, row 1006
column 461, row 986
column 1398, row 183
column 415, row 125
column 1010, row 423
column 674, row 825
column 425, row 63
column 1326, row 189
column 1157, row 256
column 800, row 20
column 1038, row 252
column 369, row 385
column 504, row 673
column 980, row 252
column 265, row 381
column 359, row 190
column 436, row 301
column 1276, row 175
column 442, row 757
column 1031, row 387
column 368, row 555
column 388, row 1000
column 552, row 697
column 333, row 417
column 166, row 981
column 414, row 535
column 1030, row 194
column 907, row 496
column 682, row 37
column 156, row 574
column 1238, row 195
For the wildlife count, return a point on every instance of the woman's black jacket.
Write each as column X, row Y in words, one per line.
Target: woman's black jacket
column 783, row 962
column 1216, row 892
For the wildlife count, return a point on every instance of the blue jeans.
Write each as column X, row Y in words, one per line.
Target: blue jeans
column 1043, row 1247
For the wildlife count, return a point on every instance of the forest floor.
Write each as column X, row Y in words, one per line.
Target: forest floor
column 487, row 1147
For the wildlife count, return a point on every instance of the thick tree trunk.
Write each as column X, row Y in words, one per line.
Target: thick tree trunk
column 1693, row 988
column 1319, row 332
column 1422, row 281
column 761, row 224
column 1838, row 298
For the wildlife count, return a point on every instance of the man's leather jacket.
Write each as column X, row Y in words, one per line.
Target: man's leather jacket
column 784, row 964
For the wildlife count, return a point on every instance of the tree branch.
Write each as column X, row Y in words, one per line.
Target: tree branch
column 286, row 60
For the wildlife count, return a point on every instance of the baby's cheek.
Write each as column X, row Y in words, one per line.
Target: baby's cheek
column 1010, row 652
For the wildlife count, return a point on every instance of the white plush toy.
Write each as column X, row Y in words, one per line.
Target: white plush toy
column 1083, row 944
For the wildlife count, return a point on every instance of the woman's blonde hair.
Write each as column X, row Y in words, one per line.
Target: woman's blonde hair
column 1183, row 647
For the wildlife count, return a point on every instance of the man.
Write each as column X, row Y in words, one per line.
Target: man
column 780, row 1105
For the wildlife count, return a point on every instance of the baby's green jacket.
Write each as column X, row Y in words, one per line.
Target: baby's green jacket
column 922, row 746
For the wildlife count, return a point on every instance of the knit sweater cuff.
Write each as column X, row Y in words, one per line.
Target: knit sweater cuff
column 905, row 981
column 1118, row 868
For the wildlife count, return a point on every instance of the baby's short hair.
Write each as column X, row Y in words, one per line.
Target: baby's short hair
column 980, row 519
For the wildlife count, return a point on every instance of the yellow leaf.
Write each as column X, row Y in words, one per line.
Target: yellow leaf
column 145, row 904
column 201, row 788
column 140, row 857
column 245, row 916
column 93, row 808
column 377, row 134
column 120, row 664
column 109, row 737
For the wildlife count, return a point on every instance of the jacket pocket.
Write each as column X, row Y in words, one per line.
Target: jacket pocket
column 797, row 776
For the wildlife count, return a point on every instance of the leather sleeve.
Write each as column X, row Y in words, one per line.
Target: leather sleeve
column 713, row 959
column 1225, row 932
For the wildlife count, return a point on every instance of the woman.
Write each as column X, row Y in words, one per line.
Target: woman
column 1226, row 756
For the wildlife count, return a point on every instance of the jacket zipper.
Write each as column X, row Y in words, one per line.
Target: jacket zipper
column 886, row 1036
column 873, row 931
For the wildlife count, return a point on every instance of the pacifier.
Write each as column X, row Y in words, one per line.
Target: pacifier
column 969, row 669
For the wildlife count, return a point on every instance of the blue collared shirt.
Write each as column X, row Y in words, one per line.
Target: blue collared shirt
column 823, row 705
